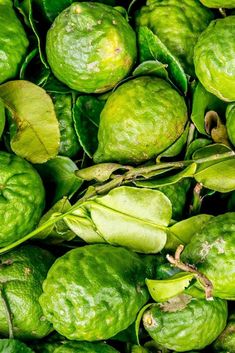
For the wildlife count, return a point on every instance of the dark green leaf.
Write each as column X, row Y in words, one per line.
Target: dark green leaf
column 26, row 62
column 59, row 176
column 151, row 47
column 34, row 128
column 13, row 346
column 86, row 121
column 196, row 145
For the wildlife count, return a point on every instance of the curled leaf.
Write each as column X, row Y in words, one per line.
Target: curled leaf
column 163, row 290
column 100, row 172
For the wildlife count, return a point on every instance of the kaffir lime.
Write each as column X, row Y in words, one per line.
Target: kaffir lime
column 140, row 119
column 91, row 47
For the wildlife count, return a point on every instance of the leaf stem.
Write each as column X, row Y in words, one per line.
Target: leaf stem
column 206, row 283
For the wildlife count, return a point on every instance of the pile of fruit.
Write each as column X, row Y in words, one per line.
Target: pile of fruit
column 117, row 176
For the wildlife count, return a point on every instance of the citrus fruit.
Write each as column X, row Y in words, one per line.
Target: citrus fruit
column 184, row 323
column 13, row 346
column 93, row 292
column 140, row 119
column 226, row 340
column 22, row 198
column 90, row 47
column 230, row 122
column 229, row 4
column 13, row 41
column 178, row 24
column 214, row 58
column 22, row 272
column 212, row 251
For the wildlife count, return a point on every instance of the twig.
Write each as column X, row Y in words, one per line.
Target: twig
column 175, row 260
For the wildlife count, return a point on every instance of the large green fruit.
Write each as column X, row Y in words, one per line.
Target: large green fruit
column 212, row 251
column 93, row 292
column 184, row 323
column 178, row 24
column 226, row 340
column 214, row 58
column 22, row 272
column 230, row 4
column 90, row 47
column 13, row 41
column 140, row 119
column 22, row 198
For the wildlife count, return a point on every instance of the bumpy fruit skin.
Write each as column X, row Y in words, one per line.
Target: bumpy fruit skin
column 228, row 4
column 226, row 340
column 90, row 47
column 185, row 323
column 140, row 119
column 214, row 56
column 22, row 272
column 13, row 42
column 93, row 292
column 22, row 198
column 230, row 122
column 212, row 251
column 178, row 24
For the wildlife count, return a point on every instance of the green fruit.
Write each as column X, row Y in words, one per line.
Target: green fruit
column 213, row 58
column 22, row 198
column 93, row 292
column 229, row 4
column 140, row 119
column 22, row 272
column 230, row 122
column 178, row 24
column 13, row 346
column 212, row 252
column 90, row 47
column 13, row 42
column 226, row 340
column 184, row 323
column 69, row 145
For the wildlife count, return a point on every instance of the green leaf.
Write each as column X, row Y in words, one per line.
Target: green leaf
column 138, row 349
column 86, row 121
column 151, row 68
column 162, row 290
column 139, row 318
column 100, row 172
column 151, row 47
column 196, row 145
column 169, row 180
column 59, row 231
column 59, row 176
column 2, row 117
column 219, row 176
column 182, row 232
column 34, row 128
column 132, row 217
column 176, row 147
column 203, row 101
column 26, row 62
column 13, row 346
column 25, row 8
